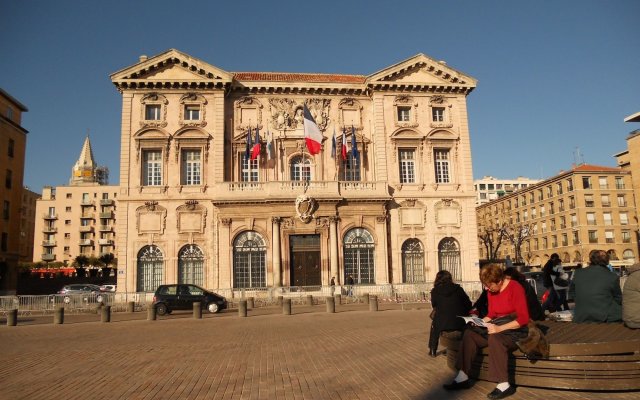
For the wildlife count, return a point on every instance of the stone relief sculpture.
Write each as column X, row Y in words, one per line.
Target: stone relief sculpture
column 319, row 109
column 305, row 207
column 282, row 111
column 288, row 114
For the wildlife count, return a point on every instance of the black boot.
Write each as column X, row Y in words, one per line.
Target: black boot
column 433, row 353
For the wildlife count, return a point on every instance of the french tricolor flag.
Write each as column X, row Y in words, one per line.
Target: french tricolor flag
column 255, row 151
column 343, row 151
column 312, row 135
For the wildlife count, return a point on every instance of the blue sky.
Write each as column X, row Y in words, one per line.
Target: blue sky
column 553, row 75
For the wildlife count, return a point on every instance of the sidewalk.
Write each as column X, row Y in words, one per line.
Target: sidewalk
column 353, row 354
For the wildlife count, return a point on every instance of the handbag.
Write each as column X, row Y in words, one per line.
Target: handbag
column 560, row 282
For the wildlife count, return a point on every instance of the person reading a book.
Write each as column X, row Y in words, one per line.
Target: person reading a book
column 507, row 302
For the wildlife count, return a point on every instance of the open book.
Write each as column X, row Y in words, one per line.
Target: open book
column 475, row 320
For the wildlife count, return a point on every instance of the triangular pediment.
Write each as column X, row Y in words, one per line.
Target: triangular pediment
column 172, row 66
column 421, row 70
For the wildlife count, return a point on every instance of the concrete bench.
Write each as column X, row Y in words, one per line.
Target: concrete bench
column 581, row 356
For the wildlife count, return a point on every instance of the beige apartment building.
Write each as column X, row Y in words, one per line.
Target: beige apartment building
column 13, row 143
column 78, row 219
column 27, row 223
column 192, row 207
column 586, row 208
column 629, row 160
column 489, row 188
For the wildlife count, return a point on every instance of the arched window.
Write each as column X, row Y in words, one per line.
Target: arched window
column 191, row 265
column 300, row 169
column 628, row 255
column 412, row 261
column 150, row 269
column 358, row 256
column 449, row 257
column 577, row 257
column 613, row 256
column 566, row 258
column 249, row 266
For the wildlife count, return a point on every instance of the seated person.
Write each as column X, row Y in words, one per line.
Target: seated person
column 598, row 297
column 449, row 301
column 631, row 297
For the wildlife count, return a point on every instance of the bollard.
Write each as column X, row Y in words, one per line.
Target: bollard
column 106, row 314
column 151, row 313
column 365, row 298
column 250, row 303
column 373, row 303
column 338, row 298
column 12, row 317
column 131, row 306
column 331, row 304
column 280, row 298
column 309, row 300
column 242, row 308
column 197, row 310
column 286, row 307
column 58, row 315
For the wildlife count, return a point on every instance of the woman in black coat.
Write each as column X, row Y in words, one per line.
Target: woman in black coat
column 448, row 301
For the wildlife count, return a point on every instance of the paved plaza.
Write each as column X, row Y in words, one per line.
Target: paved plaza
column 352, row 354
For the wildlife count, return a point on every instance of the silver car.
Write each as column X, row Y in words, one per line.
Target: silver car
column 90, row 291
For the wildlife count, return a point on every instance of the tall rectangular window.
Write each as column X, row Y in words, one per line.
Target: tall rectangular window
column 192, row 112
column 619, row 182
column 576, row 237
column 593, row 236
column 608, row 236
column 4, row 244
column 565, row 239
column 591, row 218
column 407, row 166
column 586, row 182
column 605, row 200
column 624, row 218
column 152, row 112
column 250, row 170
column 404, row 114
column 437, row 114
column 10, row 150
column 569, row 185
column 441, row 157
column 607, row 218
column 602, row 182
column 622, row 202
column 152, row 168
column 8, row 179
column 352, row 168
column 559, row 188
column 5, row 210
column 588, row 200
column 574, row 220
column 191, row 167
column 626, row 237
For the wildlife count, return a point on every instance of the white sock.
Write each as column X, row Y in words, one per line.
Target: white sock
column 502, row 386
column 461, row 377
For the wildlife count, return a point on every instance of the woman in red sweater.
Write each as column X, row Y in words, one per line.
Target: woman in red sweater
column 506, row 298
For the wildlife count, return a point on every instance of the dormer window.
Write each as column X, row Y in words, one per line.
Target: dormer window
column 152, row 112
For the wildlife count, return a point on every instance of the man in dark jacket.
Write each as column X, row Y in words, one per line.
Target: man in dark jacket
column 598, row 297
column 548, row 275
column 449, row 301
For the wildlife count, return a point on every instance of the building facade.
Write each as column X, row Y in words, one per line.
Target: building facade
column 194, row 207
column 78, row 219
column 489, row 188
column 587, row 208
column 13, row 142
column 629, row 160
column 27, row 223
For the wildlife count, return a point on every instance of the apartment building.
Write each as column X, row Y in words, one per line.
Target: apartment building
column 13, row 142
column 629, row 160
column 586, row 208
column 489, row 188
column 27, row 223
column 78, row 219
column 194, row 206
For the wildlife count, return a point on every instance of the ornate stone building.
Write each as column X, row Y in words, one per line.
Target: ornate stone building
column 194, row 208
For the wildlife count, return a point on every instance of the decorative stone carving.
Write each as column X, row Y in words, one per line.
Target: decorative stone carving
column 151, row 205
column 151, row 218
column 276, row 220
column 350, row 113
column 225, row 221
column 191, row 217
column 448, row 213
column 382, row 218
column 322, row 222
column 248, row 113
column 282, row 112
column 288, row 223
column 305, row 207
column 154, row 99
column 437, row 99
column 319, row 109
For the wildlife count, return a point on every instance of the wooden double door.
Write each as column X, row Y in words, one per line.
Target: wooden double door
column 305, row 259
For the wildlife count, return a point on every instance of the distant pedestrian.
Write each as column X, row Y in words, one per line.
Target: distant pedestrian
column 333, row 285
column 350, row 284
column 507, row 262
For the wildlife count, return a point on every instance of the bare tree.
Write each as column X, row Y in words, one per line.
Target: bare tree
column 517, row 234
column 492, row 237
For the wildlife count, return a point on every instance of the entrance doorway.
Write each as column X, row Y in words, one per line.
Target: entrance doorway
column 305, row 266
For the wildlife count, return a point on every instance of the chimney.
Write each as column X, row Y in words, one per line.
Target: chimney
column 143, row 58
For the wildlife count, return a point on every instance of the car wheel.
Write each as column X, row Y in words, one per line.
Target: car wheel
column 161, row 309
column 67, row 299
column 213, row 308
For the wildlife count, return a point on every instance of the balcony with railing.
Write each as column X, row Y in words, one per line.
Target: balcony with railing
column 49, row 216
column 86, row 202
column 106, row 228
column 88, row 215
column 106, row 202
column 48, row 257
column 288, row 190
column 50, row 229
column 48, row 243
column 105, row 242
column 106, row 215
column 86, row 228
column 86, row 242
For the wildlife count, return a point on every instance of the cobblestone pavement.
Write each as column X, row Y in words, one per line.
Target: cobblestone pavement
column 352, row 354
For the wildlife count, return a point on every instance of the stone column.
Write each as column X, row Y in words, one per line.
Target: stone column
column 333, row 251
column 275, row 251
column 224, row 235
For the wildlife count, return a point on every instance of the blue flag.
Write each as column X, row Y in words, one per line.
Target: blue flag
column 333, row 143
column 247, row 151
column 354, row 146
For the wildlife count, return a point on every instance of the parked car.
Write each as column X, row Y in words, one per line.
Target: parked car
column 182, row 296
column 108, row 288
column 92, row 292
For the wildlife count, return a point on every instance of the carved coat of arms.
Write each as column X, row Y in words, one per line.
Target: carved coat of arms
column 305, row 207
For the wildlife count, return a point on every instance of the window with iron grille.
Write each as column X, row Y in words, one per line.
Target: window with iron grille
column 249, row 261
column 449, row 257
column 412, row 261
column 358, row 251
column 250, row 169
column 150, row 269
column 407, row 166
column 191, row 167
column 352, row 167
column 441, row 157
column 191, row 265
column 152, row 168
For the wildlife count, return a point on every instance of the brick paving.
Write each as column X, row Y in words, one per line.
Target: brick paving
column 352, row 354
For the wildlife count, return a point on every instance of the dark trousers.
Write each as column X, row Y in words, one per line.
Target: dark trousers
column 499, row 348
column 552, row 302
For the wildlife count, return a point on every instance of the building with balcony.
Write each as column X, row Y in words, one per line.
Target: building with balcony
column 489, row 188
column 27, row 223
column 193, row 206
column 13, row 142
column 72, row 220
column 574, row 213
column 629, row 160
